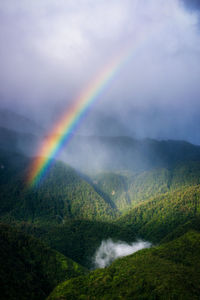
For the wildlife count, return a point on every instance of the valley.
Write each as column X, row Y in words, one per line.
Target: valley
column 51, row 232
column 100, row 150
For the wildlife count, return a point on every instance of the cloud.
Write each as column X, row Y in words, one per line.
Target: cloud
column 110, row 250
column 50, row 51
column 192, row 4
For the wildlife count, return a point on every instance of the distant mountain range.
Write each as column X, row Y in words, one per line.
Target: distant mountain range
column 18, row 133
column 125, row 153
column 116, row 187
column 20, row 142
column 95, row 153
column 19, row 123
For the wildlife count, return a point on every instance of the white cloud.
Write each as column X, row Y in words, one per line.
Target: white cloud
column 109, row 251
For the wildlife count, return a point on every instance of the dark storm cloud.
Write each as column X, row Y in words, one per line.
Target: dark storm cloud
column 192, row 4
column 51, row 50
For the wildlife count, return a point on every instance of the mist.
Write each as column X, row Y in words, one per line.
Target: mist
column 110, row 250
column 51, row 51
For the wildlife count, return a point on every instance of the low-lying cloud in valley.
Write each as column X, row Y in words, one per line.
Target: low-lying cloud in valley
column 110, row 250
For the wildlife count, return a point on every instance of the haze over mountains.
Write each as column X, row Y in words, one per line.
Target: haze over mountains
column 19, row 123
column 117, row 188
column 116, row 214
column 95, row 153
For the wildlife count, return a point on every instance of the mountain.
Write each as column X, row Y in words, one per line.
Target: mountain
column 29, row 269
column 170, row 271
column 114, row 186
column 19, row 142
column 77, row 239
column 19, row 134
column 161, row 218
column 88, row 210
column 63, row 195
column 19, row 123
column 161, row 215
column 103, row 153
column 127, row 189
column 147, row 189
column 96, row 153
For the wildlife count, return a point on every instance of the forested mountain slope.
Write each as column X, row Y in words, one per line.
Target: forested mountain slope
column 127, row 189
column 72, row 213
column 102, row 153
column 158, row 202
column 17, row 122
column 20, row 142
column 29, row 269
column 109, row 153
column 160, row 215
column 163, row 217
column 62, row 195
column 170, row 271
column 78, row 239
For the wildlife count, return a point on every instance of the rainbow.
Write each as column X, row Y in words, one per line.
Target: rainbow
column 51, row 147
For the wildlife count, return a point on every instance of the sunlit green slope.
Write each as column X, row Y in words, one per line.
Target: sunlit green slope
column 127, row 189
column 63, row 195
column 170, row 271
column 159, row 216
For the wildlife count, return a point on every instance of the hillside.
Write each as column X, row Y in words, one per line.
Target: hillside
column 77, row 239
column 114, row 187
column 107, row 153
column 127, row 189
column 103, row 153
column 163, row 217
column 100, row 150
column 29, row 269
column 156, row 218
column 20, row 142
column 153, row 203
column 170, row 271
column 72, row 212
column 63, row 195
column 19, row 123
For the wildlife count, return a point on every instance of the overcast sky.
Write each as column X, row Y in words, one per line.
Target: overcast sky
column 51, row 50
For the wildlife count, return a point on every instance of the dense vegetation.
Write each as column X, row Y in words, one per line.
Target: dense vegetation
column 156, row 218
column 113, row 187
column 170, row 271
column 77, row 239
column 153, row 192
column 29, row 269
column 126, row 189
column 168, row 214
column 126, row 153
column 66, row 205
column 62, row 196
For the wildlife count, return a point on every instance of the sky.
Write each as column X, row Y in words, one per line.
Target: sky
column 52, row 50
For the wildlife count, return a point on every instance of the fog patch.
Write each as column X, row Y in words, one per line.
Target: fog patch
column 110, row 250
